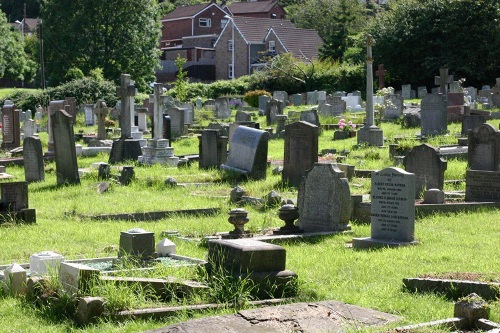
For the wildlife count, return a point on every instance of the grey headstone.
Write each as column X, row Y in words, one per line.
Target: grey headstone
column 222, row 109
column 338, row 105
column 393, row 106
column 33, row 160
column 484, row 148
column 212, row 149
column 311, row 116
column 297, row 99
column 263, row 100
column 176, row 122
column 29, row 128
column 301, row 151
column 281, row 96
column 406, row 91
column 88, row 110
column 312, row 97
column 274, row 107
column 422, row 91
column 434, row 117
column 64, row 146
column 137, row 243
column 11, row 127
column 324, row 200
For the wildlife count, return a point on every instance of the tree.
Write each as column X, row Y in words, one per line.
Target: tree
column 416, row 38
column 119, row 36
column 14, row 9
column 14, row 63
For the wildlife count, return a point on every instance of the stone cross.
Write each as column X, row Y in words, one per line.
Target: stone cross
column 370, row 117
column 381, row 75
column 158, row 105
column 443, row 80
column 126, row 91
column 101, row 111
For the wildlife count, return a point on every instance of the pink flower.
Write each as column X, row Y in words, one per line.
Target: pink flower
column 341, row 126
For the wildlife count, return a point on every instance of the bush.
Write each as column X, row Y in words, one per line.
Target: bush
column 252, row 97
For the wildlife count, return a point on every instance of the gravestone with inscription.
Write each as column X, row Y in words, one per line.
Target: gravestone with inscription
column 324, row 200
column 433, row 115
column 33, row 160
column 64, row 146
column 406, row 91
column 176, row 122
column 338, row 105
column 301, row 151
column 88, row 111
column 14, row 204
column 428, row 167
column 392, row 210
column 248, row 153
column 212, row 149
column 11, row 127
column 222, row 109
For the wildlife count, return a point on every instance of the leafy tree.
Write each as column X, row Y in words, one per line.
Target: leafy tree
column 181, row 82
column 416, row 38
column 14, row 9
column 119, row 36
column 14, row 63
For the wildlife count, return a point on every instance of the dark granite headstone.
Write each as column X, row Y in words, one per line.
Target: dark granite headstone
column 301, row 151
column 428, row 167
column 212, row 149
column 11, row 127
column 33, row 160
column 433, row 114
column 64, row 146
column 176, row 121
column 484, row 148
column 137, row 244
column 14, row 196
column 273, row 108
column 310, row 116
column 469, row 122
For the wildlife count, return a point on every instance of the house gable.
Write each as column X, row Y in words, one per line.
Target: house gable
column 303, row 44
column 263, row 9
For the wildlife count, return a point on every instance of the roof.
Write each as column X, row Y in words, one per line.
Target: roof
column 254, row 30
column 238, row 8
column 299, row 42
column 188, row 11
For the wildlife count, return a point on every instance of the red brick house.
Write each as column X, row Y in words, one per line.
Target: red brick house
column 255, row 38
column 263, row 9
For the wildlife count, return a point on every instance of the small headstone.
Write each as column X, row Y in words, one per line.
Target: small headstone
column 222, row 109
column 77, row 279
column 33, row 160
column 434, row 196
column 281, row 120
column 434, row 117
column 310, row 116
column 393, row 106
column 324, row 200
column 137, row 244
column 212, row 149
column 392, row 210
column 102, row 187
column 65, row 151
column 406, row 91
column 428, row 167
column 301, row 151
column 45, row 262
column 88, row 111
column 127, row 175
column 243, row 116
column 11, row 127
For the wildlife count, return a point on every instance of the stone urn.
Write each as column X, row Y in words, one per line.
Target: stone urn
column 238, row 218
column 288, row 213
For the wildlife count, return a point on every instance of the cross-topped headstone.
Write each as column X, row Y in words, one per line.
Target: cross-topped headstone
column 101, row 111
column 443, row 80
column 126, row 91
column 159, row 103
column 369, row 81
column 381, row 76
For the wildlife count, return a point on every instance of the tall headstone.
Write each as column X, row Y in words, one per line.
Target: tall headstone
column 33, row 160
column 54, row 106
column 406, row 91
column 428, row 167
column 263, row 100
column 370, row 134
column 158, row 106
column 212, row 149
column 222, row 108
column 126, row 91
column 301, row 151
column 176, row 121
column 392, row 210
column 273, row 108
column 11, row 127
column 248, row 152
column 381, row 76
column 443, row 80
column 434, row 115
column 324, row 200
column 101, row 111
column 338, row 105
column 65, row 151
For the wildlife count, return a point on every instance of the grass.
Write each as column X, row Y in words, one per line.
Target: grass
column 326, row 266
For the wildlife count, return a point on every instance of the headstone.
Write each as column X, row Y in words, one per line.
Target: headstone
column 33, row 160
column 356, row 93
column 71, row 110
column 325, row 109
column 188, row 113
column 281, row 120
column 484, row 148
column 263, row 100
column 301, row 151
column 222, row 108
column 77, row 279
column 45, row 262
column 165, row 247
column 392, row 210
column 353, row 103
column 234, row 126
column 248, row 152
column 434, row 118
column 209, row 104
column 422, row 91
column 443, row 80
column 65, row 151
column 321, row 97
column 311, row 116
column 297, row 99
column 406, row 91
column 428, row 167
column 29, row 115
column 338, row 105
column 472, row 92
column 137, row 244
column 243, row 116
column 101, row 112
column 455, row 98
column 274, row 107
column 126, row 91
column 11, row 127
column 393, row 106
column 324, row 200
column 29, row 128
column 88, row 110
column 281, row 96
column 199, row 103
column 455, row 87
column 142, row 118
column 212, row 149
column 14, row 196
column 469, row 122
column 312, row 97
column 482, row 186
column 381, row 76
column 176, row 121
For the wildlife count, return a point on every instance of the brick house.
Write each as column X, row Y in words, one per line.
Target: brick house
column 263, row 9
column 255, row 38
column 191, row 31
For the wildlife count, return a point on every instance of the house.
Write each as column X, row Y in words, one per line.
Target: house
column 263, row 9
column 256, row 38
column 191, row 31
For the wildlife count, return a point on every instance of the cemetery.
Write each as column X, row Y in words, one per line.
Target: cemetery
column 233, row 215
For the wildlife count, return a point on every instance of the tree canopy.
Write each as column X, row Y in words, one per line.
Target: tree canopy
column 118, row 36
column 416, row 38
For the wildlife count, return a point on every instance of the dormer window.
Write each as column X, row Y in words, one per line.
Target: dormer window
column 205, row 22
column 272, row 46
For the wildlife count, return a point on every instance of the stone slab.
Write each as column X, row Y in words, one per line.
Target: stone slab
column 326, row 316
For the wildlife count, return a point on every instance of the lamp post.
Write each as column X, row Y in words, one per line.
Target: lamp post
column 22, row 28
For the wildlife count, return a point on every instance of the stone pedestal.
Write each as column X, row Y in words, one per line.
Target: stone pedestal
column 372, row 136
column 158, row 151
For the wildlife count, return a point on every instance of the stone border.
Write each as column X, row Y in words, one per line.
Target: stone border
column 454, row 288
column 151, row 216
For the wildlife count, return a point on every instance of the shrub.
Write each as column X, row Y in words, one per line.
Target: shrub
column 252, row 97
column 86, row 91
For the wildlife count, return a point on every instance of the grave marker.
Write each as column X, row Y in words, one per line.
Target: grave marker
column 222, row 108
column 212, row 149
column 101, row 112
column 381, row 76
column 65, row 151
column 443, row 80
column 434, row 116
column 126, row 91
column 11, row 127
column 33, row 160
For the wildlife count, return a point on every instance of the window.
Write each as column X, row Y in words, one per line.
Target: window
column 205, row 22
column 230, row 45
column 230, row 71
column 223, row 22
column 272, row 46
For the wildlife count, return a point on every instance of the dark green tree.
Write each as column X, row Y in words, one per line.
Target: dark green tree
column 14, row 9
column 416, row 38
column 14, row 63
column 118, row 36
